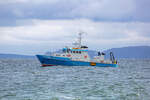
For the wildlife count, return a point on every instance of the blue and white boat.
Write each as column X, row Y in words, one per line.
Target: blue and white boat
column 77, row 56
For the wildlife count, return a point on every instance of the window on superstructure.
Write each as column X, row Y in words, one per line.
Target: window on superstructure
column 74, row 52
column 68, row 50
column 64, row 51
column 80, row 52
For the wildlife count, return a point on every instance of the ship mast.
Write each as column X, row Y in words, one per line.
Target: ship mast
column 80, row 39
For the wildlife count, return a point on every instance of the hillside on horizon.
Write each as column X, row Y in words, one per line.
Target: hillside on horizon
column 15, row 56
column 137, row 52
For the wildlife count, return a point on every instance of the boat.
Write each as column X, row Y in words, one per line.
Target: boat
column 77, row 56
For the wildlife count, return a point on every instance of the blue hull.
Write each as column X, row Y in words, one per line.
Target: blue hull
column 51, row 60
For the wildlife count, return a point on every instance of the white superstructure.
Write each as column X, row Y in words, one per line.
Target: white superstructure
column 80, row 53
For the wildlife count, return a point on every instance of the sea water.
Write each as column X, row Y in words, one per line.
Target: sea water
column 25, row 79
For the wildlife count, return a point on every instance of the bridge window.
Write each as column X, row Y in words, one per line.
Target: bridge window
column 67, row 50
column 64, row 51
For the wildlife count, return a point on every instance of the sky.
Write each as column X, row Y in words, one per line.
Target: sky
column 36, row 26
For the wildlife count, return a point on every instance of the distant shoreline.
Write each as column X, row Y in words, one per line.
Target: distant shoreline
column 131, row 52
column 16, row 56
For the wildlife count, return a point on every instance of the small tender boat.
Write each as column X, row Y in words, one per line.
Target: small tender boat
column 77, row 56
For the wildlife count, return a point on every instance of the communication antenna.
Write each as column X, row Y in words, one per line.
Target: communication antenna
column 79, row 42
column 80, row 38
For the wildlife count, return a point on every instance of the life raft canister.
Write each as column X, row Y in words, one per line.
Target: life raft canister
column 85, row 57
column 68, row 55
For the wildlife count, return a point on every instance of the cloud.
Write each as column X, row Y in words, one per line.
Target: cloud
column 97, row 10
column 105, row 9
column 30, row 26
column 45, row 34
column 142, row 10
column 27, row 1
